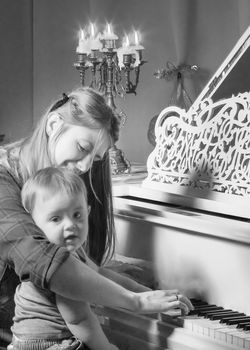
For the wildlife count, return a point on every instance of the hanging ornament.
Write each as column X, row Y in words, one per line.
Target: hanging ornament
column 179, row 96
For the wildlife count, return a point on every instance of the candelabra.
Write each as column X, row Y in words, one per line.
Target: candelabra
column 110, row 70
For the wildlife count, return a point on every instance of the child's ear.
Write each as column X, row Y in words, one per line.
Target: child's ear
column 54, row 121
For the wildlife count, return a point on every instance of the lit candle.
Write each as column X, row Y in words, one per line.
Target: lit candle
column 124, row 53
column 138, row 49
column 109, row 34
column 95, row 43
column 138, row 46
column 125, row 42
column 82, row 47
column 109, row 37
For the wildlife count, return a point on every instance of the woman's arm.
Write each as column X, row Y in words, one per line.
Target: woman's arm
column 75, row 280
column 23, row 245
column 83, row 324
column 124, row 281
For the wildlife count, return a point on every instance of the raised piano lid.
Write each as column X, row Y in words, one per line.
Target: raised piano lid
column 202, row 156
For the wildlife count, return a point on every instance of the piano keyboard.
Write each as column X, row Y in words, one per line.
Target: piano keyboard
column 225, row 325
column 208, row 327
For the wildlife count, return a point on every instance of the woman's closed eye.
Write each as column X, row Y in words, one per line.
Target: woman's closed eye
column 84, row 149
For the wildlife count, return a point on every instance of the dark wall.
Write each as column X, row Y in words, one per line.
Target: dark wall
column 16, row 68
column 38, row 51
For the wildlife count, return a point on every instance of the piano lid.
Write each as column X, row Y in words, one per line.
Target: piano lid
column 202, row 157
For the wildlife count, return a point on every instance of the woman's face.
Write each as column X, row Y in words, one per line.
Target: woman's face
column 78, row 146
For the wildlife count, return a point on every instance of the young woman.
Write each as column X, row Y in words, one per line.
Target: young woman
column 76, row 133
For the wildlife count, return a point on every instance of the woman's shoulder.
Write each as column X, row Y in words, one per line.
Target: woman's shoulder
column 9, row 163
column 4, row 157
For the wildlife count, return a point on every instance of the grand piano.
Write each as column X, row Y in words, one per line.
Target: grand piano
column 189, row 216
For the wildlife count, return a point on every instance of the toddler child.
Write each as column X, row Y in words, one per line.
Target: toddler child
column 56, row 198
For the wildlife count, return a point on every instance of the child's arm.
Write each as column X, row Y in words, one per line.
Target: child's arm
column 83, row 324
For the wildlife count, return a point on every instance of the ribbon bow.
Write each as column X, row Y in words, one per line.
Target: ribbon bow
column 172, row 71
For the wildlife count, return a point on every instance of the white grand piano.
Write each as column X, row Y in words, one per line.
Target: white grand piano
column 190, row 218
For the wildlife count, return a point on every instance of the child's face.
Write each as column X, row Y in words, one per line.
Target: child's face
column 63, row 218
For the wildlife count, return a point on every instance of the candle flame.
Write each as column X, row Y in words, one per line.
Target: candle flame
column 81, row 34
column 92, row 30
column 109, row 30
column 126, row 41
column 136, row 38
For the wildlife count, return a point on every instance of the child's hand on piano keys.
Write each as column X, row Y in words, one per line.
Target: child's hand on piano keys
column 163, row 300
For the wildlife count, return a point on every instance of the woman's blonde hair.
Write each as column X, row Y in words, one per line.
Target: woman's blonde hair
column 85, row 107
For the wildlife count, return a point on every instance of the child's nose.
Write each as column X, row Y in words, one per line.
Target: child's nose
column 69, row 224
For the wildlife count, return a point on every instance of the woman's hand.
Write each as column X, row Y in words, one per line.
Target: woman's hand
column 162, row 300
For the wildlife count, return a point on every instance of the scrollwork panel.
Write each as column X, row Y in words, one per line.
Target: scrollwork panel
column 204, row 148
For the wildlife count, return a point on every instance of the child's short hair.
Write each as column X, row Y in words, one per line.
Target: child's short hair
column 53, row 180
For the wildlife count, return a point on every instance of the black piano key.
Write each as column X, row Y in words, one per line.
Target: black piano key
column 210, row 313
column 226, row 315
column 242, row 324
column 203, row 312
column 246, row 327
column 205, row 308
column 237, row 320
column 197, row 302
column 232, row 317
column 197, row 310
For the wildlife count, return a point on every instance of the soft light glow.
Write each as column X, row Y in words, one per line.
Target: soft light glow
column 126, row 41
column 92, row 30
column 81, row 34
column 109, row 28
column 136, row 38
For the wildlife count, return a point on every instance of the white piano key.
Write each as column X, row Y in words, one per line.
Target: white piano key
column 232, row 337
column 240, row 337
column 212, row 327
column 247, row 343
column 222, row 333
column 198, row 326
column 188, row 321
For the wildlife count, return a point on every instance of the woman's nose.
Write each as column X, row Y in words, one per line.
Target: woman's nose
column 85, row 164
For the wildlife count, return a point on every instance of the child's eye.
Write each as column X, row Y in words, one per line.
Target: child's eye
column 77, row 215
column 55, row 219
